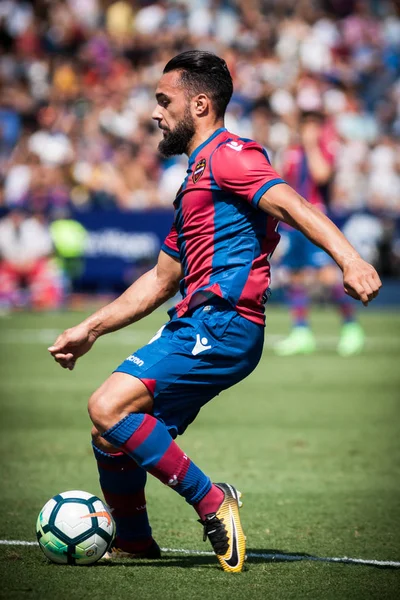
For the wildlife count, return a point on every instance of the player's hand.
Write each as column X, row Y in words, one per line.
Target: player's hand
column 361, row 281
column 72, row 344
column 310, row 134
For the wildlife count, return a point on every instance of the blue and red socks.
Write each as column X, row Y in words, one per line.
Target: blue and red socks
column 299, row 304
column 148, row 442
column 210, row 503
column 344, row 303
column 122, row 482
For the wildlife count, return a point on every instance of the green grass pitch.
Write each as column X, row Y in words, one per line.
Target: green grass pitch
column 312, row 442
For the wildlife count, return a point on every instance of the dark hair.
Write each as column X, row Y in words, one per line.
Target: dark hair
column 204, row 72
column 312, row 115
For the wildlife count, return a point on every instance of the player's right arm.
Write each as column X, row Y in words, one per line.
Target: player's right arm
column 360, row 279
column 243, row 169
column 140, row 299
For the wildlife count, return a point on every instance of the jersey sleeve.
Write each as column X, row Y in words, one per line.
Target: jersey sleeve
column 243, row 169
column 170, row 245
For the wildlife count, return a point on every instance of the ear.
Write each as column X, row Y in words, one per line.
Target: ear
column 201, row 105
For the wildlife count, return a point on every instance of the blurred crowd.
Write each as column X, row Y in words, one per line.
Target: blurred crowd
column 77, row 82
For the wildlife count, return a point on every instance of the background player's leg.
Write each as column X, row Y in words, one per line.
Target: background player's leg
column 352, row 335
column 301, row 339
column 9, row 286
column 123, row 483
column 119, row 410
column 299, row 302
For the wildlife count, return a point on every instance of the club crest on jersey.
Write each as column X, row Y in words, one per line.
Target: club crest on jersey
column 199, row 170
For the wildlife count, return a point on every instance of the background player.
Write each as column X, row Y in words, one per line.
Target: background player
column 308, row 166
column 226, row 214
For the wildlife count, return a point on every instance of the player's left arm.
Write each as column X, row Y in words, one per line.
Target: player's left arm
column 360, row 279
column 140, row 299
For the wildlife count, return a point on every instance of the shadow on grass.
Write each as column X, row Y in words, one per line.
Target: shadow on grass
column 255, row 556
column 188, row 561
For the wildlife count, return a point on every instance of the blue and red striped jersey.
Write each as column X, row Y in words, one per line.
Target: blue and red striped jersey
column 221, row 237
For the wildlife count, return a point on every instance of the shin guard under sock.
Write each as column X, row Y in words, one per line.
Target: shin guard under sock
column 122, row 482
column 344, row 303
column 149, row 443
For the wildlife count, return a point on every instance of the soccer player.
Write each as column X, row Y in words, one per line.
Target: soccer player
column 224, row 230
column 308, row 167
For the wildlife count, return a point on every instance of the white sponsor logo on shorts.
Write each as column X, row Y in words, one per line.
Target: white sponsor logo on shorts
column 157, row 335
column 134, row 359
column 201, row 345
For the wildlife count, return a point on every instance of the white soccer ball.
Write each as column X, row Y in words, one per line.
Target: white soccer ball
column 75, row 528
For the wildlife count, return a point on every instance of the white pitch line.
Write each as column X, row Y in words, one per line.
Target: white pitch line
column 271, row 557
column 331, row 559
column 295, row 557
column 17, row 543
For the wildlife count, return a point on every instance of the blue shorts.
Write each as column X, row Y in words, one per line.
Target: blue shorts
column 193, row 358
column 300, row 253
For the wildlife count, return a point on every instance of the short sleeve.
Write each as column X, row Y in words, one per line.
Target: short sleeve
column 170, row 245
column 243, row 168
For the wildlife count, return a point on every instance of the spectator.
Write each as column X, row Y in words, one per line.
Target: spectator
column 28, row 275
column 77, row 81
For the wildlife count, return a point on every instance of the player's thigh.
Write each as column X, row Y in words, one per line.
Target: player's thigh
column 299, row 277
column 193, row 359
column 120, row 395
column 318, row 258
column 329, row 275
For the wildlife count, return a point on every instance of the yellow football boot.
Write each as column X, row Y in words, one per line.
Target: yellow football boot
column 224, row 530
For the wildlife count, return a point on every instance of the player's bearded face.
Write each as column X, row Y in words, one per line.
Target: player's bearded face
column 176, row 140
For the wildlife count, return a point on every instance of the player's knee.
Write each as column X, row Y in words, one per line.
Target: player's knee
column 102, row 412
column 115, row 399
column 101, row 443
column 106, row 409
column 97, row 439
column 96, row 436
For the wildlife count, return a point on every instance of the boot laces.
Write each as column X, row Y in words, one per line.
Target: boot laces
column 215, row 530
